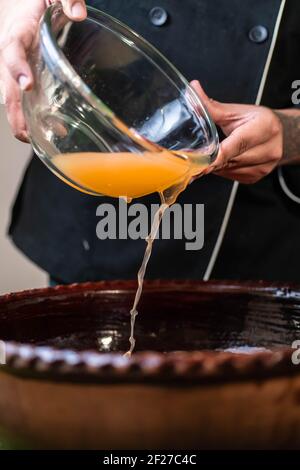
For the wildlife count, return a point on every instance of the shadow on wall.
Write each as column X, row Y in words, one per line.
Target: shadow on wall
column 16, row 272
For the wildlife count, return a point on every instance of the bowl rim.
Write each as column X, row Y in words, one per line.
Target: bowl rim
column 59, row 60
column 43, row 362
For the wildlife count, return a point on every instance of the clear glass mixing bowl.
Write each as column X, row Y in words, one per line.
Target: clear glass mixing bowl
column 104, row 96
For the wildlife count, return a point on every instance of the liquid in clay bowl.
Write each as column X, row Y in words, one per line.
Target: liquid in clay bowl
column 212, row 369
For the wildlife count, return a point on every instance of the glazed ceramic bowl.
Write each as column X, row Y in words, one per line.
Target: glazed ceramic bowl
column 101, row 88
column 214, row 367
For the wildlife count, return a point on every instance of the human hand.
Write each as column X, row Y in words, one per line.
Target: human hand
column 254, row 143
column 19, row 22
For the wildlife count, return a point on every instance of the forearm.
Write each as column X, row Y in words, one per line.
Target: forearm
column 290, row 120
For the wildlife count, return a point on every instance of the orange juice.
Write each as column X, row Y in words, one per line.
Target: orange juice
column 123, row 174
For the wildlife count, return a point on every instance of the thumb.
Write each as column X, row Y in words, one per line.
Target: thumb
column 214, row 108
column 14, row 57
column 74, row 9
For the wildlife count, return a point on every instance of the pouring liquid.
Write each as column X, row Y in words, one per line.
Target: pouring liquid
column 131, row 176
column 166, row 201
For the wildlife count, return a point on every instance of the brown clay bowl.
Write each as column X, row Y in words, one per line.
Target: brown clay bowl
column 213, row 367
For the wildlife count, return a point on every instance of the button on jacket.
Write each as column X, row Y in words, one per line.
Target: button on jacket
column 224, row 44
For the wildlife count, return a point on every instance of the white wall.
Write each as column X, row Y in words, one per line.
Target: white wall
column 16, row 272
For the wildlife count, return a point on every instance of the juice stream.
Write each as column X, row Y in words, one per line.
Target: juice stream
column 131, row 176
column 166, row 201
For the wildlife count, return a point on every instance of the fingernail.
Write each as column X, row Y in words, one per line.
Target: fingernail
column 23, row 81
column 78, row 10
column 24, row 137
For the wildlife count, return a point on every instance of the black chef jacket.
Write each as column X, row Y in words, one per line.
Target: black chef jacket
column 224, row 44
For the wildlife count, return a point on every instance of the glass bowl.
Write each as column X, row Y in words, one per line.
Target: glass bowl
column 108, row 113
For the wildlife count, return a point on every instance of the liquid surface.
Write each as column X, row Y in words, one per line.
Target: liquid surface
column 131, row 176
column 181, row 315
column 123, row 174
